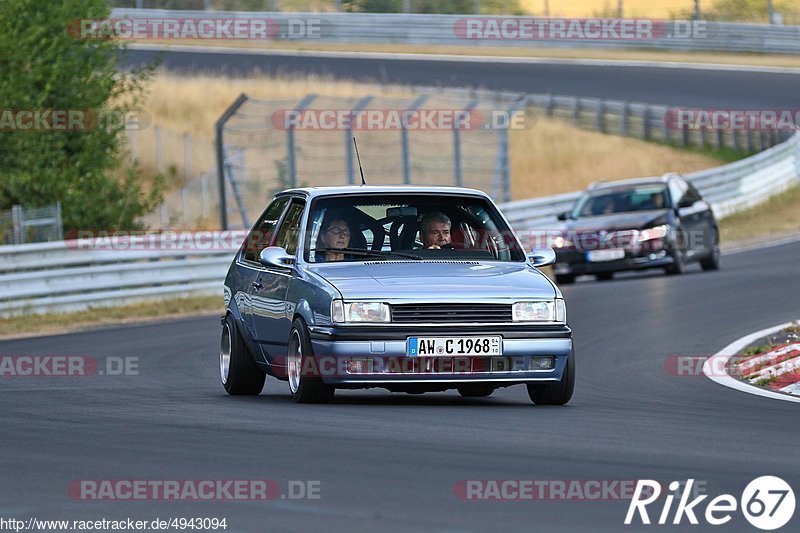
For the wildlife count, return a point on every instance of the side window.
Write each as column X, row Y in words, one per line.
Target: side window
column 677, row 190
column 261, row 234
column 693, row 193
column 289, row 231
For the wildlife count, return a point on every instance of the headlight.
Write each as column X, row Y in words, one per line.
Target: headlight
column 659, row 232
column 346, row 312
column 542, row 311
column 560, row 242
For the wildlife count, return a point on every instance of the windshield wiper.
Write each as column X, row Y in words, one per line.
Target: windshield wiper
column 371, row 253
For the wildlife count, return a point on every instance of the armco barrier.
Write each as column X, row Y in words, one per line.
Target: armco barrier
column 61, row 276
column 429, row 30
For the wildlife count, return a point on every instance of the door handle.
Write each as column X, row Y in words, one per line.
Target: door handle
column 258, row 286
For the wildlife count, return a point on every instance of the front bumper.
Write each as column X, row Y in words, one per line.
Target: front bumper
column 575, row 263
column 384, row 348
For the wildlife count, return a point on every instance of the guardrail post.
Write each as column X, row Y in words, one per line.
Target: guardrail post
column 549, row 105
column 737, row 140
column 703, row 137
column 665, row 125
column 624, row 125
column 646, row 122
column 751, row 143
column 457, row 176
column 685, row 135
column 59, row 223
column 720, row 139
column 18, row 222
column 576, row 111
column 600, row 117
column 348, row 139
column 219, row 141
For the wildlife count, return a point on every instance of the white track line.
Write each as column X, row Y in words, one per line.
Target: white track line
column 720, row 360
column 463, row 58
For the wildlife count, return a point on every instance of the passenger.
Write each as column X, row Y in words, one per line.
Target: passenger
column 657, row 200
column 335, row 234
column 435, row 231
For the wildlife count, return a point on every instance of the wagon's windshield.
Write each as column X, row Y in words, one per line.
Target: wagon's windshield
column 408, row 227
column 621, row 201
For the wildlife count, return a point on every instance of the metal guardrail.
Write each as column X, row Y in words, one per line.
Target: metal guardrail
column 63, row 276
column 428, row 30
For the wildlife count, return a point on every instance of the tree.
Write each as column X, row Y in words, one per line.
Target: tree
column 47, row 67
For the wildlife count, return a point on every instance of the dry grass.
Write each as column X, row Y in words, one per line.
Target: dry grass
column 777, row 217
column 587, row 8
column 60, row 323
column 548, row 157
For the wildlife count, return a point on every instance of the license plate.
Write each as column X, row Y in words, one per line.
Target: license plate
column 596, row 256
column 446, row 346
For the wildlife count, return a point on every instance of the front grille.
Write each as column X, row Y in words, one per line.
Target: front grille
column 451, row 313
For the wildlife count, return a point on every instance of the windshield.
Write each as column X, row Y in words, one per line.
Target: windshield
column 611, row 201
column 408, row 227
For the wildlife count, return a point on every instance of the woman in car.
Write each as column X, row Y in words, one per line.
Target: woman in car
column 334, row 235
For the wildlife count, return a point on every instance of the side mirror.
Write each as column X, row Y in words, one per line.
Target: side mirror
column 685, row 202
column 563, row 216
column 542, row 256
column 275, row 256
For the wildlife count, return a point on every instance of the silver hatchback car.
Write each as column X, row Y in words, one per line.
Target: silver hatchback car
column 413, row 289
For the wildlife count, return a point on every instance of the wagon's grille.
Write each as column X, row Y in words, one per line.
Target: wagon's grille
column 451, row 313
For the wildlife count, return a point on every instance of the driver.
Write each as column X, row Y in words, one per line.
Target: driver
column 435, row 231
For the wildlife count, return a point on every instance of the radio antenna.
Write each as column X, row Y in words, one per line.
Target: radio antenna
column 358, row 157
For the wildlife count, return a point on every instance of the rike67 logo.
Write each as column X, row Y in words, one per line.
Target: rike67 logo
column 767, row 503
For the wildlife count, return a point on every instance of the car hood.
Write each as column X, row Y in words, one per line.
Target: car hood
column 616, row 221
column 437, row 281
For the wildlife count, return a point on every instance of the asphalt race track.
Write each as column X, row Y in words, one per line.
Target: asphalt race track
column 390, row 462
column 739, row 89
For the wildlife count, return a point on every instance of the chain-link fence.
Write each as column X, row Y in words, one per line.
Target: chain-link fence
column 20, row 224
column 429, row 139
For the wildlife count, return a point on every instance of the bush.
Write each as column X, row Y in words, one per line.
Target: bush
column 44, row 67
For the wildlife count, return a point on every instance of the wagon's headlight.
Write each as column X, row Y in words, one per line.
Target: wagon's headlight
column 346, row 312
column 659, row 232
column 541, row 311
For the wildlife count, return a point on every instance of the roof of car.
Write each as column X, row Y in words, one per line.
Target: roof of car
column 633, row 181
column 314, row 192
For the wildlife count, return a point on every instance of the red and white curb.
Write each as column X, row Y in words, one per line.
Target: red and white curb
column 789, row 393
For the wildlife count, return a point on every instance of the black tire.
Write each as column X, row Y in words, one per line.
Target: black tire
column 555, row 393
column 604, row 276
column 307, row 389
column 476, row 390
column 243, row 376
column 565, row 279
column 678, row 263
column 711, row 262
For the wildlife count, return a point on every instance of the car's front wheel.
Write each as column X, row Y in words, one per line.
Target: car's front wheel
column 238, row 371
column 711, row 262
column 555, row 393
column 304, row 388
